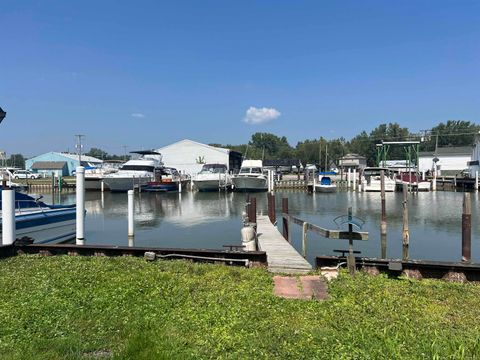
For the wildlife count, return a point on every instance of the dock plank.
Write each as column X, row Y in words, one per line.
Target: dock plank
column 281, row 256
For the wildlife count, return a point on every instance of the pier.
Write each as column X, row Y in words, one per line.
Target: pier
column 281, row 255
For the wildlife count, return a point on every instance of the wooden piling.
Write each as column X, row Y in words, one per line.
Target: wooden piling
column 271, row 208
column 252, row 216
column 405, row 232
column 351, row 257
column 466, row 228
column 285, row 221
column 304, row 239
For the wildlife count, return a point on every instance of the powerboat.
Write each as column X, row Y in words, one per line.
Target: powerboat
column 94, row 175
column 42, row 223
column 213, row 177
column 371, row 179
column 135, row 173
column 413, row 180
column 325, row 184
column 251, row 177
column 166, row 179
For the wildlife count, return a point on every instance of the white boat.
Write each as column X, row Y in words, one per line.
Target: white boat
column 213, row 177
column 135, row 173
column 371, row 179
column 95, row 174
column 251, row 177
column 325, row 184
column 43, row 223
column 413, row 180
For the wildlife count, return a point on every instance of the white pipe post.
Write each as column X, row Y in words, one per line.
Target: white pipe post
column 269, row 183
column 80, row 205
column 354, row 179
column 131, row 224
column 180, row 185
column 314, row 182
column 434, row 181
column 349, row 177
column 8, row 217
column 102, row 186
column 476, row 180
column 423, row 175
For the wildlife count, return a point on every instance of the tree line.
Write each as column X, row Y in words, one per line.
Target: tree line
column 320, row 150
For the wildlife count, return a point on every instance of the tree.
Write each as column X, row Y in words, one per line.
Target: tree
column 97, row 153
column 453, row 133
column 16, row 160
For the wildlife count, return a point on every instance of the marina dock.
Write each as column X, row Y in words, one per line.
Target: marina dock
column 281, row 255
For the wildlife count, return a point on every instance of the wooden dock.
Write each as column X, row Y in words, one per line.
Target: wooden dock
column 281, row 256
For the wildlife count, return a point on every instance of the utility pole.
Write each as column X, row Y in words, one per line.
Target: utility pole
column 79, row 147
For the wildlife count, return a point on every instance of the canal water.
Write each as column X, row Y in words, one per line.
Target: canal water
column 211, row 220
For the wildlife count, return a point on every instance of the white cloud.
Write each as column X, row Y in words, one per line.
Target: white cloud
column 260, row 115
column 138, row 115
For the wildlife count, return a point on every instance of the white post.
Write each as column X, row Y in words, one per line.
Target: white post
column 423, row 175
column 8, row 217
column 269, row 182
column 180, row 185
column 80, row 205
column 348, row 178
column 434, row 181
column 354, row 179
column 314, row 181
column 102, row 186
column 476, row 180
column 131, row 230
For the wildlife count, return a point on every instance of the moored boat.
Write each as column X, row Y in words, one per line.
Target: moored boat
column 251, row 177
column 166, row 179
column 213, row 177
column 41, row 222
column 135, row 173
column 413, row 180
column 371, row 179
column 325, row 184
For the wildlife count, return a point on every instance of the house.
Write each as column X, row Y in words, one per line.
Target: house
column 352, row 161
column 446, row 160
column 62, row 164
column 189, row 156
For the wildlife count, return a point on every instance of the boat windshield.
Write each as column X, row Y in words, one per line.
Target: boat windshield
column 213, row 170
column 248, row 170
column 137, row 168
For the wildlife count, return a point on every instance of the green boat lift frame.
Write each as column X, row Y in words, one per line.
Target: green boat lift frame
column 411, row 148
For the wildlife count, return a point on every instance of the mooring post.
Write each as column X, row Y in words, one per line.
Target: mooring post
column 102, row 186
column 253, row 210
column 348, row 178
column 131, row 214
column 285, row 221
column 476, row 180
column 405, row 233
column 467, row 228
column 314, row 182
column 80, row 173
column 351, row 257
column 434, row 181
column 354, row 180
column 383, row 220
column 8, row 217
column 304, row 239
column 271, row 208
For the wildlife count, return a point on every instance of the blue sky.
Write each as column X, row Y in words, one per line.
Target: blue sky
column 147, row 73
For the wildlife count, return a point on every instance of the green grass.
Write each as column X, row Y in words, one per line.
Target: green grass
column 127, row 308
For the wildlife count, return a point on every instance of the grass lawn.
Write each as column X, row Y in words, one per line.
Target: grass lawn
column 63, row 307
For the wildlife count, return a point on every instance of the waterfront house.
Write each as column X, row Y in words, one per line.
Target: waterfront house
column 63, row 164
column 446, row 160
column 189, row 156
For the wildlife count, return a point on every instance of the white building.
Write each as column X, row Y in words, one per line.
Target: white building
column 448, row 160
column 189, row 156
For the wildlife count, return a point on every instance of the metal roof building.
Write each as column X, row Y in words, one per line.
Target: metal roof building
column 189, row 156
column 63, row 164
column 448, row 160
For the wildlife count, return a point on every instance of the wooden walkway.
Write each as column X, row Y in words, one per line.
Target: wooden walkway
column 281, row 256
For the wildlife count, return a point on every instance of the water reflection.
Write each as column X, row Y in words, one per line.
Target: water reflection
column 210, row 220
